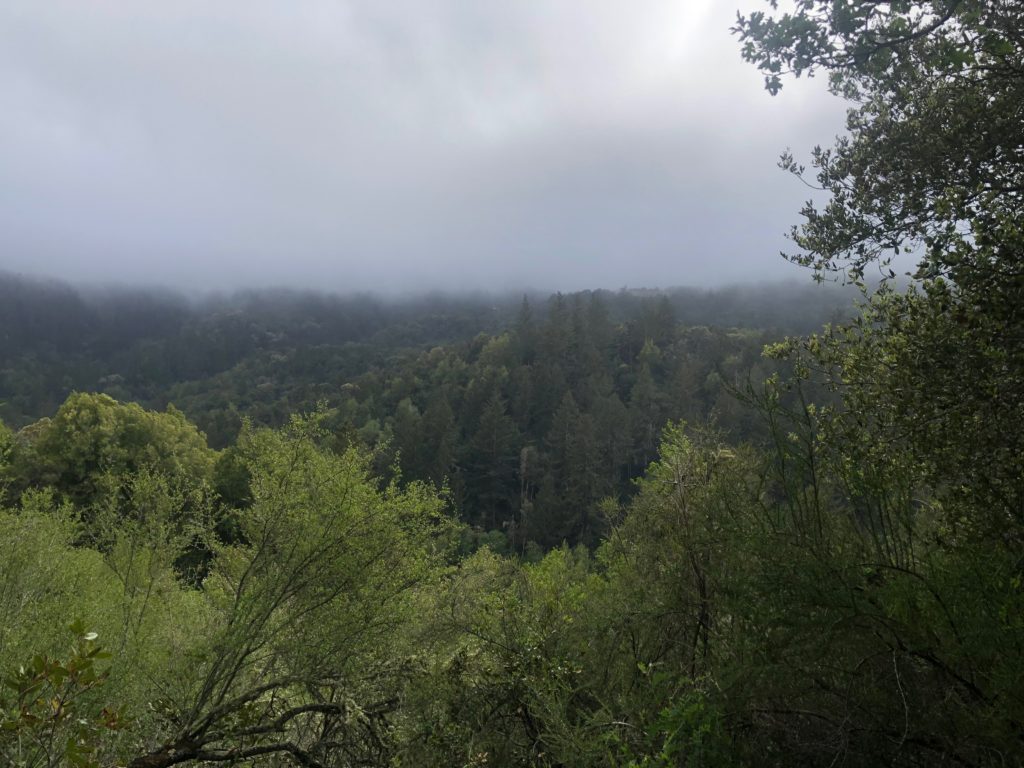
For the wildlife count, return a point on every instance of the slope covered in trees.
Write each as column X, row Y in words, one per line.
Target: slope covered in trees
column 830, row 577
column 528, row 426
column 267, row 354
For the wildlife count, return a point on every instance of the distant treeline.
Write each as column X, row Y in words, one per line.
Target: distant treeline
column 530, row 410
column 139, row 344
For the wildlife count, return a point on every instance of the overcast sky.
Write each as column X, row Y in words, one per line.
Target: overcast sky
column 394, row 144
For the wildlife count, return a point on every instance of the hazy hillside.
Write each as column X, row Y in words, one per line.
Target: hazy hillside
column 156, row 347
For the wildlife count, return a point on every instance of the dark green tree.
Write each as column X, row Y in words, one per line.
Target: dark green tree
column 612, row 428
column 440, row 436
column 647, row 414
column 408, row 439
column 932, row 167
column 492, row 460
column 526, row 333
column 918, row 469
column 93, row 441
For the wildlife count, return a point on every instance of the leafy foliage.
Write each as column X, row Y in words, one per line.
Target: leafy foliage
column 916, row 466
column 831, row 576
column 301, row 656
column 93, row 442
column 40, row 719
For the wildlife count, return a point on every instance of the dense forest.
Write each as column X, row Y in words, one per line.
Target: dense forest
column 635, row 528
column 526, row 417
column 525, row 428
column 268, row 354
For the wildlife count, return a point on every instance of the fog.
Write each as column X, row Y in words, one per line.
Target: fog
column 409, row 145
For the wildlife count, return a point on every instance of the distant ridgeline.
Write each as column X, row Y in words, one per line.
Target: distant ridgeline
column 530, row 409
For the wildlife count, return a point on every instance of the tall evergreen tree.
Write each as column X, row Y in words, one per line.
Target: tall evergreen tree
column 440, row 436
column 492, row 460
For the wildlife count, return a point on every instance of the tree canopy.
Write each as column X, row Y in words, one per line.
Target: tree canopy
column 932, row 167
column 932, row 164
column 93, row 440
column 831, row 576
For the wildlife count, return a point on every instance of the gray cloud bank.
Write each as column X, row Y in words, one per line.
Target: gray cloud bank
column 393, row 145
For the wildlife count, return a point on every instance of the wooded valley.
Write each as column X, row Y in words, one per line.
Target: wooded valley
column 773, row 525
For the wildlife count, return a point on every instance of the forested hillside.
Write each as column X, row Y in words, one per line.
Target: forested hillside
column 268, row 354
column 569, row 531
column 528, row 414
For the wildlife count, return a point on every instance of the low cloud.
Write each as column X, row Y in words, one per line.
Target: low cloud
column 426, row 144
